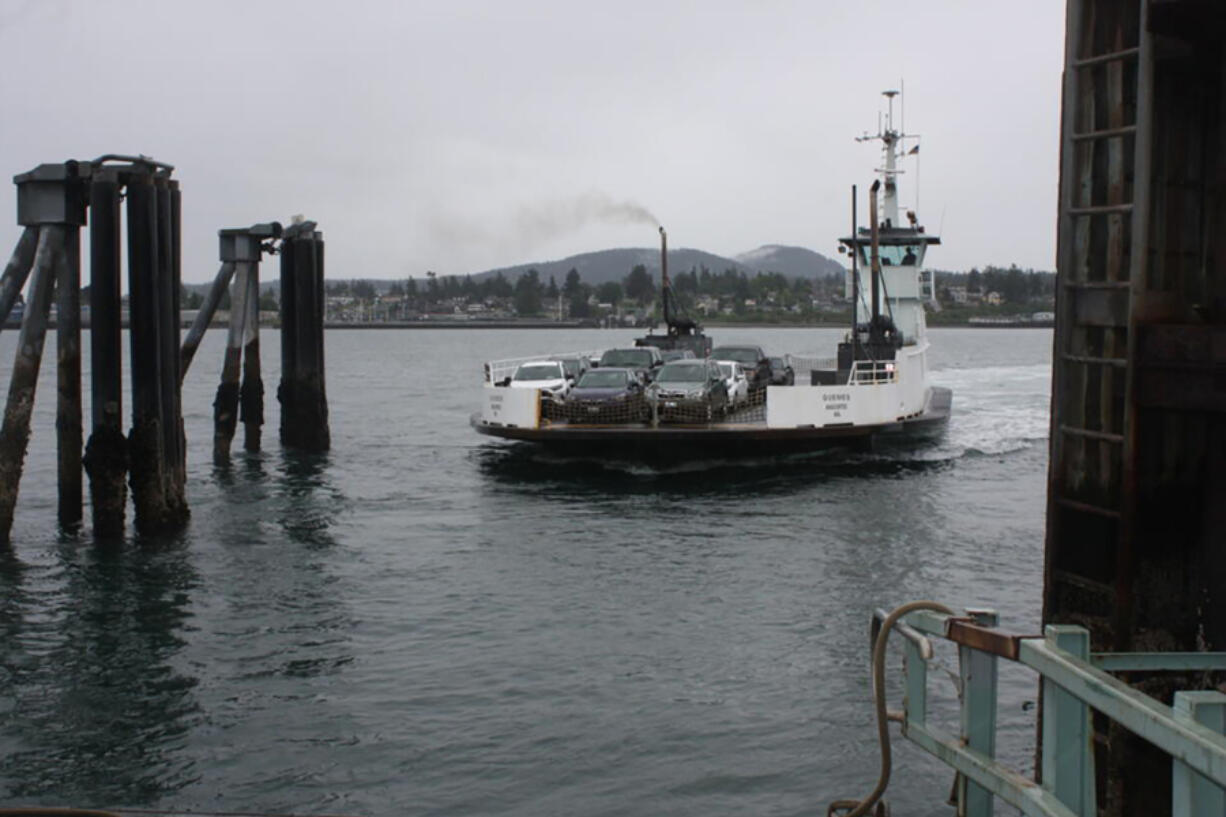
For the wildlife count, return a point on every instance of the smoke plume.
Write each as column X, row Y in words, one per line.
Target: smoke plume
column 548, row 220
column 525, row 229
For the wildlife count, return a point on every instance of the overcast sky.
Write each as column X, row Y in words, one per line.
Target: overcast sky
column 457, row 137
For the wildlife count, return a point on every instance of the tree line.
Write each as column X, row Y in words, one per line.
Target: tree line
column 532, row 294
column 1015, row 285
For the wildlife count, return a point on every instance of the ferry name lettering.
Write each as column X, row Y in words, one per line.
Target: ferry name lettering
column 836, row 402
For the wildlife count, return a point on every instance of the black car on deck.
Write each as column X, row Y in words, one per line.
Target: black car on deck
column 645, row 359
column 611, row 395
column 781, row 372
column 752, row 359
column 688, row 391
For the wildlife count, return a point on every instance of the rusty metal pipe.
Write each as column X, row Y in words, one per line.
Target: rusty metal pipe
column 876, row 260
column 855, row 272
column 664, row 286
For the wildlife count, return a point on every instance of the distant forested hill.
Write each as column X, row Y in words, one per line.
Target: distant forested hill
column 613, row 265
column 606, row 266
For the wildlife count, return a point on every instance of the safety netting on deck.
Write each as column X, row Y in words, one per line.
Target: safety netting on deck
column 665, row 409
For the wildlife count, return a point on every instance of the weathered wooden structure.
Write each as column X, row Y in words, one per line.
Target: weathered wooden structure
column 240, row 396
column 52, row 203
column 1136, row 540
column 241, row 392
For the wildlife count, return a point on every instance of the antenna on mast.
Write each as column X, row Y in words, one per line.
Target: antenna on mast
column 902, row 105
column 893, row 149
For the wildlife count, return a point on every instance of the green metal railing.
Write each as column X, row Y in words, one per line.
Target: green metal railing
column 1074, row 682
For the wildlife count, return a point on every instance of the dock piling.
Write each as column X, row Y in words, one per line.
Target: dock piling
column 52, row 202
column 155, row 477
column 51, row 206
column 205, row 316
column 240, row 250
column 106, row 455
column 68, row 392
column 17, row 271
column 15, row 431
column 251, row 393
column 225, row 404
column 145, row 439
column 169, row 409
column 303, row 393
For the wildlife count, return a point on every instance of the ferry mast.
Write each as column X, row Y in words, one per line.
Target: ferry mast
column 895, row 245
column 891, row 145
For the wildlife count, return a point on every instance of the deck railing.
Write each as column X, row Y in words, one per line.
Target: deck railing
column 873, row 372
column 1074, row 682
column 496, row 371
column 803, row 367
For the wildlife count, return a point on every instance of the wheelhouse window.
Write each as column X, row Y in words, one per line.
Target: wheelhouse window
column 895, row 255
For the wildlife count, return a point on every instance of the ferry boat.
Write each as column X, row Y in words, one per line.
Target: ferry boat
column 877, row 386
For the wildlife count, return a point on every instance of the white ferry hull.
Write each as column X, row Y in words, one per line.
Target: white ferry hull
column 514, row 420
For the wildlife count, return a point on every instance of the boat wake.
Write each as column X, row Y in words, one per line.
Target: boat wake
column 996, row 411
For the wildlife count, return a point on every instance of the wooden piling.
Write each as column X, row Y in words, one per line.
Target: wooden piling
column 304, row 403
column 225, row 405
column 169, row 412
column 251, row 395
column 15, row 431
column 68, row 393
column 145, row 438
column 106, row 456
column 289, row 335
column 321, row 437
column 205, row 316
column 306, row 259
column 16, row 272
column 176, row 258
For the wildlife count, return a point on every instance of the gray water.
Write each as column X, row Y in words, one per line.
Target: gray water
column 430, row 622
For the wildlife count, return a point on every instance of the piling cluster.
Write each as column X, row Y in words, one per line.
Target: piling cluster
column 240, row 395
column 53, row 201
column 241, row 392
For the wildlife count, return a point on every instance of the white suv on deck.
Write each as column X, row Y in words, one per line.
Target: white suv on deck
column 547, row 375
